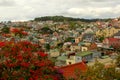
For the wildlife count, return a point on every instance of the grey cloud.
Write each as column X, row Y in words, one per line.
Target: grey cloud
column 28, row 9
column 8, row 3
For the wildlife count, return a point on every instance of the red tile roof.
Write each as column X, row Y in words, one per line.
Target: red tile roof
column 113, row 39
column 69, row 70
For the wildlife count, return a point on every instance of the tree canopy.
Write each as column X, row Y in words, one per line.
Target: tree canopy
column 25, row 61
column 99, row 72
column 62, row 19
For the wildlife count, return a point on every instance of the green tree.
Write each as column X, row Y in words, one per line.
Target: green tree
column 101, row 38
column 45, row 30
column 72, row 25
column 47, row 47
column 69, row 39
column 59, row 45
column 5, row 29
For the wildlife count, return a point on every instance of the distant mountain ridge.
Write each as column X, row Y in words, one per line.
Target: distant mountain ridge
column 62, row 18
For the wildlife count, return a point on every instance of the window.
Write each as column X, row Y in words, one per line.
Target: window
column 84, row 49
column 69, row 62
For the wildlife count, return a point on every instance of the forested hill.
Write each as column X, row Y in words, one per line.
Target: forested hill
column 62, row 18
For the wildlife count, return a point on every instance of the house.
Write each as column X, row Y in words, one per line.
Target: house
column 84, row 48
column 54, row 53
column 55, row 34
column 63, row 26
column 66, row 45
column 70, row 70
column 1, row 26
column 75, row 34
column 79, row 57
column 111, row 42
column 69, row 52
column 75, row 47
column 88, row 37
column 117, row 35
column 85, row 45
column 42, row 41
column 61, row 61
column 78, row 39
column 96, row 54
column 107, row 32
column 92, row 46
column 85, row 55
column 35, row 40
column 89, row 30
column 99, row 45
column 72, row 59
column 81, row 43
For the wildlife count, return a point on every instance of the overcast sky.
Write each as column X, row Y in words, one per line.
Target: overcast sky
column 29, row 9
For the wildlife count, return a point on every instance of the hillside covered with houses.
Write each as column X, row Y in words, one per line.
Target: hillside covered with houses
column 69, row 43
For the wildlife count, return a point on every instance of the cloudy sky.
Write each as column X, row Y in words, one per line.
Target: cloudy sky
column 29, row 9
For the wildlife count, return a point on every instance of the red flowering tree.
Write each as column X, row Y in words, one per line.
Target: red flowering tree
column 19, row 32
column 24, row 61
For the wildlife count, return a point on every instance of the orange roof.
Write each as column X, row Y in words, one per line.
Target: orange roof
column 69, row 70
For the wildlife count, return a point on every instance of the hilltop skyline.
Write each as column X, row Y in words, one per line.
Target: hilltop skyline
column 15, row 10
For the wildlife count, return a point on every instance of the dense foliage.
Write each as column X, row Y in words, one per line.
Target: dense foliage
column 46, row 30
column 5, row 29
column 25, row 61
column 99, row 72
column 62, row 18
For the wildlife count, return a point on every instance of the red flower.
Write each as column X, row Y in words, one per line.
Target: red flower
column 10, row 65
column 14, row 73
column 2, row 44
column 32, row 71
column 19, row 57
column 42, row 54
column 35, row 77
column 42, row 64
column 21, row 78
column 26, row 43
column 31, row 79
column 54, row 78
column 25, row 64
column 23, row 59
